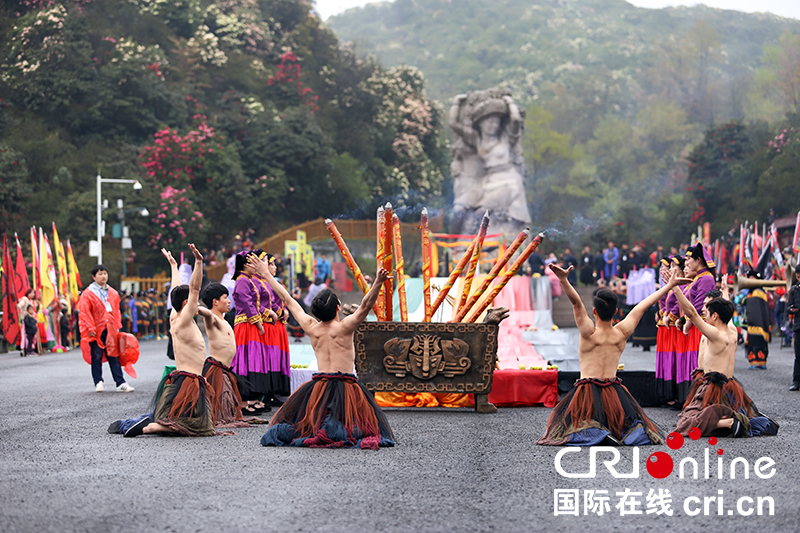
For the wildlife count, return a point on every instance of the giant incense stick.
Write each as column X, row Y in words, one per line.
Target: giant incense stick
column 488, row 298
column 400, row 268
column 348, row 257
column 451, row 280
column 379, row 258
column 522, row 237
column 388, row 288
column 473, row 264
column 426, row 265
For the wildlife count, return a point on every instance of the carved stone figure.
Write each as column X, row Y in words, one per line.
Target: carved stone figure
column 487, row 164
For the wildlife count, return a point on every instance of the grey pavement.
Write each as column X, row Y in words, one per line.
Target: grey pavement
column 451, row 471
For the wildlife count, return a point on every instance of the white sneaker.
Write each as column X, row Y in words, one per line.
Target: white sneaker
column 125, row 388
column 99, row 387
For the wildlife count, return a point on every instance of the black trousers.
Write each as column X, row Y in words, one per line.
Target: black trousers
column 97, row 363
column 796, row 373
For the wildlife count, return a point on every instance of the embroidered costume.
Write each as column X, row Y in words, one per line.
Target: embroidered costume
column 758, row 328
column 182, row 404
column 596, row 409
column 714, row 397
column 333, row 410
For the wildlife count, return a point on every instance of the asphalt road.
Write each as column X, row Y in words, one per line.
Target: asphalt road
column 451, row 471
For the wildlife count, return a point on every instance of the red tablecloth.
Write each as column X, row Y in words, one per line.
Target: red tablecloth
column 524, row 388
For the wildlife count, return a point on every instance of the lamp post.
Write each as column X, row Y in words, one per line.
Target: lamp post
column 121, row 217
column 100, row 181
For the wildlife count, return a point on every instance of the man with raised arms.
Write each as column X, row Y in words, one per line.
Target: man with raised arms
column 718, row 405
column 180, row 405
column 332, row 410
column 226, row 400
column 617, row 419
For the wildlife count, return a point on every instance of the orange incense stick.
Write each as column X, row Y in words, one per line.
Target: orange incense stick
column 451, row 280
column 426, row 265
column 379, row 258
column 481, row 307
column 473, row 264
column 401, row 275
column 522, row 237
column 388, row 287
column 348, row 257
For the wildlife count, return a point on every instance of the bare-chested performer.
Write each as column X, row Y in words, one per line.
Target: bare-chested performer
column 718, row 405
column 599, row 409
column 181, row 404
column 333, row 410
column 226, row 400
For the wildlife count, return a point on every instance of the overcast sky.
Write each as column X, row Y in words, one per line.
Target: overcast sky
column 784, row 8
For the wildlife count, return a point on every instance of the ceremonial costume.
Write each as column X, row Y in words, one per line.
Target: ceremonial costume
column 278, row 342
column 673, row 339
column 225, row 398
column 596, row 409
column 714, row 397
column 333, row 410
column 182, row 404
column 758, row 328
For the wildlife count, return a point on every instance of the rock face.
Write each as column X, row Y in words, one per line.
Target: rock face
column 487, row 164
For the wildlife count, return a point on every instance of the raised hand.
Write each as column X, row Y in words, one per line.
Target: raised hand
column 381, row 276
column 169, row 257
column 197, row 255
column 677, row 279
column 262, row 267
column 560, row 272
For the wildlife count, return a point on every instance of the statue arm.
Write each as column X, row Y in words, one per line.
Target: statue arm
column 463, row 130
column 515, row 118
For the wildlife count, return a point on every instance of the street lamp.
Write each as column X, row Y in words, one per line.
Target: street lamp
column 136, row 186
column 122, row 228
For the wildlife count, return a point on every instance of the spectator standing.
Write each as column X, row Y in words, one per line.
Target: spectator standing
column 537, row 264
column 569, row 260
column 587, row 267
column 611, row 259
column 323, row 268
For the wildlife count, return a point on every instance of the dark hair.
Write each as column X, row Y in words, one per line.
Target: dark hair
column 213, row 291
column 179, row 296
column 722, row 307
column 713, row 293
column 30, row 307
column 98, row 268
column 679, row 260
column 605, row 303
column 324, row 305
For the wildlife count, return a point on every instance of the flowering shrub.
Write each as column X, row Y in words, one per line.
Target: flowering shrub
column 128, row 51
column 782, row 139
column 288, row 75
column 206, row 45
column 39, row 39
column 175, row 215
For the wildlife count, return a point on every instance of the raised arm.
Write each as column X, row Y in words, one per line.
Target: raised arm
column 190, row 308
column 175, row 275
column 691, row 313
column 352, row 321
column 302, row 318
column 630, row 322
column 582, row 320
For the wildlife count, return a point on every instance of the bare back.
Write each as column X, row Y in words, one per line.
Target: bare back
column 188, row 343
column 333, row 345
column 221, row 342
column 720, row 354
column 600, row 351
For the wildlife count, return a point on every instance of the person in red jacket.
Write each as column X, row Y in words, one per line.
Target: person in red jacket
column 99, row 320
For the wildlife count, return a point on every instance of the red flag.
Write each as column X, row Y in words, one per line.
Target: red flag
column 796, row 239
column 9, row 296
column 21, row 281
column 756, row 239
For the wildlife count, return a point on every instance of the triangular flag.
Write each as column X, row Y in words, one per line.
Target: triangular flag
column 74, row 276
column 8, row 293
column 61, row 259
column 22, row 283
column 45, row 267
column 37, row 282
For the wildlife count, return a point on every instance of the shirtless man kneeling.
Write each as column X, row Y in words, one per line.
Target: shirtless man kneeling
column 618, row 420
column 718, row 405
column 332, row 410
column 181, row 405
column 226, row 399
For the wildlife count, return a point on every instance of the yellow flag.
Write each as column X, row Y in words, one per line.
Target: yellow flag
column 74, row 276
column 61, row 260
column 45, row 257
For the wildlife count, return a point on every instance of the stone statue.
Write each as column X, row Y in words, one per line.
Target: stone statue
column 487, row 164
